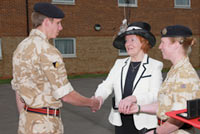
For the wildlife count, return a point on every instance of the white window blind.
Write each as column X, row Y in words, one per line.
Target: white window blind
column 128, row 3
column 182, row 3
column 70, row 2
column 66, row 46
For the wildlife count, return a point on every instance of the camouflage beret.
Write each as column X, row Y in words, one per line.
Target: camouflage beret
column 48, row 10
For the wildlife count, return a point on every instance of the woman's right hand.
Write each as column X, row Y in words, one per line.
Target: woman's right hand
column 128, row 105
column 100, row 99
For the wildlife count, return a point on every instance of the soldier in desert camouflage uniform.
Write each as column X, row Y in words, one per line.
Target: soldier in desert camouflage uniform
column 39, row 76
column 182, row 82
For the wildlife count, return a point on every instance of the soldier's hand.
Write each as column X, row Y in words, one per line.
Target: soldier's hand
column 95, row 104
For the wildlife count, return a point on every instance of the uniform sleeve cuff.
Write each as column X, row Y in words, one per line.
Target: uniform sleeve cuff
column 64, row 90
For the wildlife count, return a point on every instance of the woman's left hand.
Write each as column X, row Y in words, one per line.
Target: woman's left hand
column 150, row 132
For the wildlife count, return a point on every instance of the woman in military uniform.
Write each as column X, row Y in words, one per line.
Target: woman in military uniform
column 182, row 82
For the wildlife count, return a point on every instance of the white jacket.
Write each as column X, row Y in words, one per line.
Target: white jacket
column 146, row 85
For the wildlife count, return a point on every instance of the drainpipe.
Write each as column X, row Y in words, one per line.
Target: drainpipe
column 128, row 12
column 27, row 18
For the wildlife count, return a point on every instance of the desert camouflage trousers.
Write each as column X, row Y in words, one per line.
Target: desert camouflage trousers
column 34, row 123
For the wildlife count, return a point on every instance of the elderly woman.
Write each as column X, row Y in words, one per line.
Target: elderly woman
column 135, row 79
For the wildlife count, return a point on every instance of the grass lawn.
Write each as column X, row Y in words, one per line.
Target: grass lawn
column 5, row 81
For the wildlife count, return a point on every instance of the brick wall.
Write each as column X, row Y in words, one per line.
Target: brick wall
column 94, row 48
column 95, row 54
column 12, row 18
column 9, row 44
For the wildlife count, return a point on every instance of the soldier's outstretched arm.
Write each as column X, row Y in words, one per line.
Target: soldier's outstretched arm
column 76, row 99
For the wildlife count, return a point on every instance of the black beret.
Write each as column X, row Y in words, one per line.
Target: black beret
column 176, row 31
column 48, row 10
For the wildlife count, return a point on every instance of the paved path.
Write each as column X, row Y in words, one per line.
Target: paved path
column 76, row 119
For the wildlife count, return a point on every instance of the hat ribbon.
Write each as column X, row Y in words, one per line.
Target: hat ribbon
column 133, row 28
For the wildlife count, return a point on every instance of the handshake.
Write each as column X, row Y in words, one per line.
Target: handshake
column 96, row 103
column 127, row 105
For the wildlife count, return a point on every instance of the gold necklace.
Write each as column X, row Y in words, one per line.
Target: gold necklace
column 134, row 68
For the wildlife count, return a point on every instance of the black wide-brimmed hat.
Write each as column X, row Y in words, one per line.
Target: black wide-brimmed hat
column 176, row 31
column 136, row 28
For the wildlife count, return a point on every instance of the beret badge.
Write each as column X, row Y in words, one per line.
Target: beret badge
column 164, row 31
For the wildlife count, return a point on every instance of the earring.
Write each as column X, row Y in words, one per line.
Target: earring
column 181, row 41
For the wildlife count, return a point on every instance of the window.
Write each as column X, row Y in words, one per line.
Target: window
column 128, row 3
column 0, row 50
column 66, row 46
column 182, row 3
column 68, row 2
column 122, row 52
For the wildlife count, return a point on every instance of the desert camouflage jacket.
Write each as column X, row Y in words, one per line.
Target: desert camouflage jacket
column 182, row 83
column 39, row 74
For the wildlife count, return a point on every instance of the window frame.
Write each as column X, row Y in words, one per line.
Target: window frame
column 63, row 2
column 128, row 5
column 182, row 6
column 1, row 56
column 74, row 44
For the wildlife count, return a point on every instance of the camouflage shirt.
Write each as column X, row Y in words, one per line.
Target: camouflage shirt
column 182, row 83
column 39, row 74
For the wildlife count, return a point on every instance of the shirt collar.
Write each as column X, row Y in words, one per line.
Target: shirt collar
column 36, row 32
column 183, row 61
